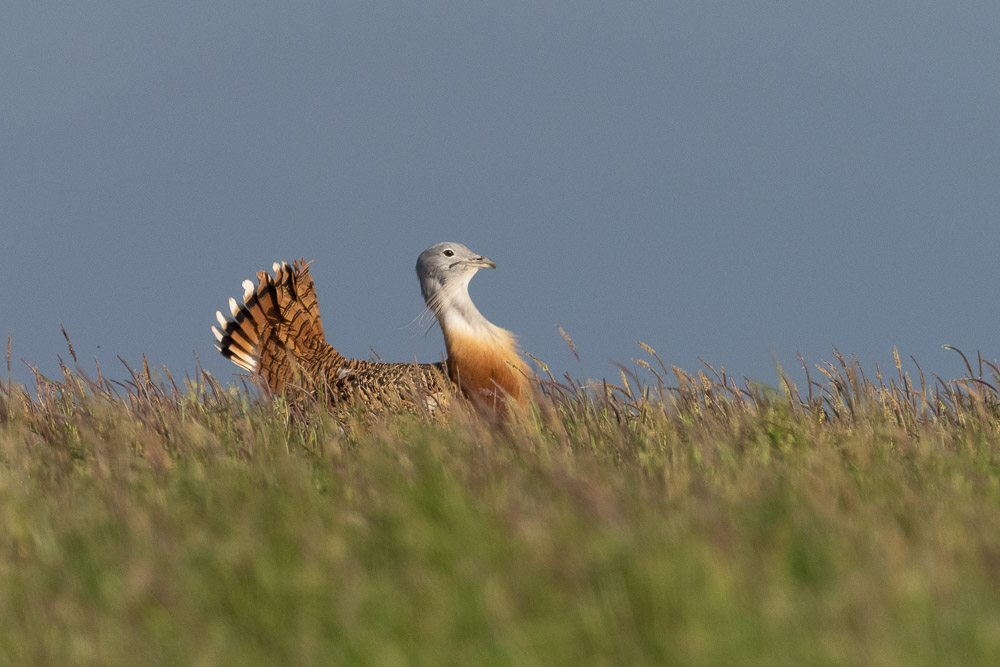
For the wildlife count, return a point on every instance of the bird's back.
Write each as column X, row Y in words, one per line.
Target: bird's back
column 378, row 382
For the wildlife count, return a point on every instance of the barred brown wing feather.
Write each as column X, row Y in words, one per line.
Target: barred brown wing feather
column 385, row 382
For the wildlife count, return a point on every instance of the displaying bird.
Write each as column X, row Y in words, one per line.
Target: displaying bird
column 277, row 334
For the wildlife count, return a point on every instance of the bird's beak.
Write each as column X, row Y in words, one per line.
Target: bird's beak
column 481, row 262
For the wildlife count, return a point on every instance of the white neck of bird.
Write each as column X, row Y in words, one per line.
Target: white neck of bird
column 458, row 315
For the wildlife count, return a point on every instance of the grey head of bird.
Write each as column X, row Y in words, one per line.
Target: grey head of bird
column 445, row 270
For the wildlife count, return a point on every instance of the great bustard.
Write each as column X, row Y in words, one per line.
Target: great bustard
column 277, row 333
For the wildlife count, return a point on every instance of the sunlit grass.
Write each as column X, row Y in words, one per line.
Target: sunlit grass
column 664, row 517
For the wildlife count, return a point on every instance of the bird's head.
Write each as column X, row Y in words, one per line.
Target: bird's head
column 448, row 265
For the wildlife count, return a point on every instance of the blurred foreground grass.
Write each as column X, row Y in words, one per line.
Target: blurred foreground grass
column 689, row 521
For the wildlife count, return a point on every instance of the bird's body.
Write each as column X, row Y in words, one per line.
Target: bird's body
column 277, row 333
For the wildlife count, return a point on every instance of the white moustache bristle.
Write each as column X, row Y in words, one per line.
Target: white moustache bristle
column 233, row 306
column 247, row 290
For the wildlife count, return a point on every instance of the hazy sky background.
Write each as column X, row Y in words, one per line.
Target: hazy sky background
column 731, row 181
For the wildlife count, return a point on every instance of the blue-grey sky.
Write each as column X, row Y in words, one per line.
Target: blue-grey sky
column 728, row 181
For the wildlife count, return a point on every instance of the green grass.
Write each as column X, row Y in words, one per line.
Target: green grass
column 693, row 522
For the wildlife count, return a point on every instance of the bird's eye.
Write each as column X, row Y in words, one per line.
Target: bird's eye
column 449, row 253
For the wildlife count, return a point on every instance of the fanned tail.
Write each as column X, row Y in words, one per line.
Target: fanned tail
column 278, row 326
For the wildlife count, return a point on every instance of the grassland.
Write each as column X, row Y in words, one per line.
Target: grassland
column 666, row 518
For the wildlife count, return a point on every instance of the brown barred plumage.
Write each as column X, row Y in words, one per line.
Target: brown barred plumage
column 277, row 333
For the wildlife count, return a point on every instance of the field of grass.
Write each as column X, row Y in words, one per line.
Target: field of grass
column 665, row 518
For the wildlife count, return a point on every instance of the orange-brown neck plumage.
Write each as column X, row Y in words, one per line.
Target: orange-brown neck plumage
column 485, row 367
